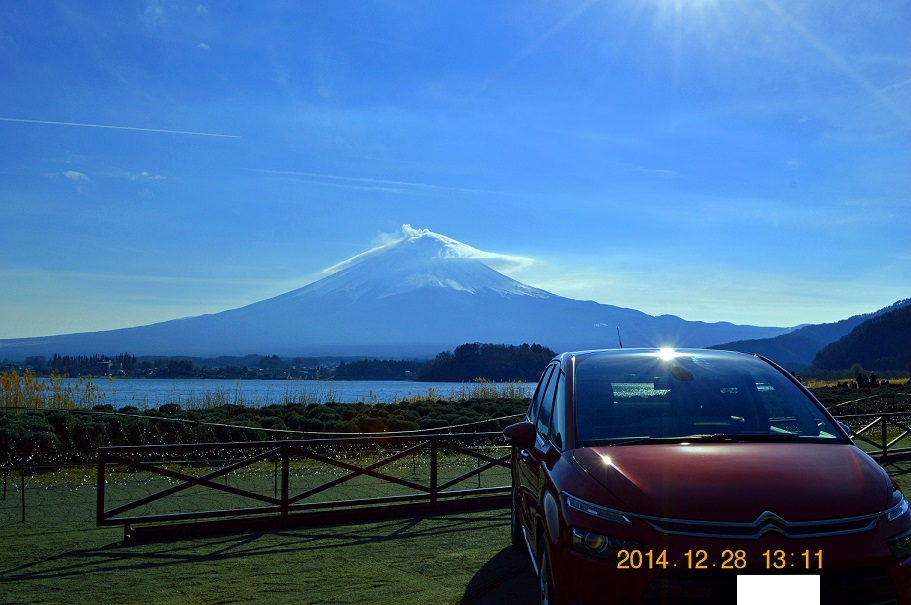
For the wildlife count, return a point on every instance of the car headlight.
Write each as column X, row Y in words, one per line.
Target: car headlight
column 597, row 545
column 900, row 545
column 899, row 506
column 596, row 511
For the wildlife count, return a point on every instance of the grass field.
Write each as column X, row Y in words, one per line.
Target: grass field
column 439, row 560
column 58, row 556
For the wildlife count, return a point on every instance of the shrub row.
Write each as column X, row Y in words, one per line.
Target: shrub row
column 61, row 434
column 74, row 434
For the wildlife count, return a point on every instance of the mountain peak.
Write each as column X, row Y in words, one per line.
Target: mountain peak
column 417, row 293
column 416, row 259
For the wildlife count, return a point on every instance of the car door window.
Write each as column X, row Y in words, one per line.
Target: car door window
column 558, row 416
column 539, row 394
column 547, row 406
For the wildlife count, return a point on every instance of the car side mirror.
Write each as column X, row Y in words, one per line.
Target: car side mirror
column 520, row 434
column 845, row 428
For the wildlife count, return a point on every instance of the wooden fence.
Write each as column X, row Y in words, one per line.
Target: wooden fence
column 189, row 489
column 883, row 436
column 283, row 483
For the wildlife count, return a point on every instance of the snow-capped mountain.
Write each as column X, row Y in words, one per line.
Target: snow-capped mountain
column 421, row 259
column 418, row 295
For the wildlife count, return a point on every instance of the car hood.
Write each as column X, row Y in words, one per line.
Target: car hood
column 737, row 481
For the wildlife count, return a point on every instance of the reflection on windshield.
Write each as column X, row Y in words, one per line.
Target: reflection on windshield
column 643, row 398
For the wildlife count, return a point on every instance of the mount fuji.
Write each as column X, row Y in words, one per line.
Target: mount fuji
column 416, row 296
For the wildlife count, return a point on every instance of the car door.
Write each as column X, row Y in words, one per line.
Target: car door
column 534, row 458
column 524, row 474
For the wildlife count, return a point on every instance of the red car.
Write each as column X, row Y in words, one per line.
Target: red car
column 659, row 476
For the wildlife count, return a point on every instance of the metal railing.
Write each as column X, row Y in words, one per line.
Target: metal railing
column 314, row 481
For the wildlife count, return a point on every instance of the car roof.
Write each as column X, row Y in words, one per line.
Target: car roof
column 636, row 352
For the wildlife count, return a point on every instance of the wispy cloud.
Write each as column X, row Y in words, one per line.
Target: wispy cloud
column 370, row 183
column 76, row 177
column 112, row 127
column 150, row 279
column 506, row 263
column 713, row 291
column 663, row 173
column 146, row 176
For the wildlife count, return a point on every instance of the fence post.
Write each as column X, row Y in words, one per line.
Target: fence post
column 885, row 439
column 433, row 470
column 285, row 475
column 22, row 489
column 477, row 450
column 99, row 506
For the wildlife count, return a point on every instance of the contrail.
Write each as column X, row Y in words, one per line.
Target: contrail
column 345, row 180
column 198, row 134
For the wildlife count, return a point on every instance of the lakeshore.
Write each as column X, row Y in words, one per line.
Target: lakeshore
column 146, row 393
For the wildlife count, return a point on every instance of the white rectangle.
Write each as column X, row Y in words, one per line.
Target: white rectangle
column 780, row 590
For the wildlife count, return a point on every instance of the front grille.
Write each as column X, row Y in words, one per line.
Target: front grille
column 767, row 522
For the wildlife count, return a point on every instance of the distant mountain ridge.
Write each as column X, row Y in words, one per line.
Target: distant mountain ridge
column 882, row 342
column 798, row 348
column 419, row 295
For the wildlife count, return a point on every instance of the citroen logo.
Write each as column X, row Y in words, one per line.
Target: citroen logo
column 770, row 522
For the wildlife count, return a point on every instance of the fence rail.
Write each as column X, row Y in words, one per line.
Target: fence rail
column 258, row 484
column 888, row 434
column 312, row 481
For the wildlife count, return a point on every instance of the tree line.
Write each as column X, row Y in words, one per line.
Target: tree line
column 474, row 361
column 468, row 362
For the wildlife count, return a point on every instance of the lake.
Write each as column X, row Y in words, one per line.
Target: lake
column 147, row 393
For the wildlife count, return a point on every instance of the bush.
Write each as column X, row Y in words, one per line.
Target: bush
column 273, row 422
column 44, row 442
column 400, row 424
column 296, row 422
column 8, row 438
column 138, row 431
column 55, row 430
column 91, row 435
column 61, row 422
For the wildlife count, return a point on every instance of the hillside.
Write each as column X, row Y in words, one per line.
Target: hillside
column 881, row 343
column 796, row 349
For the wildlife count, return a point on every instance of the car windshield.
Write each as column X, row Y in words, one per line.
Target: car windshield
column 642, row 397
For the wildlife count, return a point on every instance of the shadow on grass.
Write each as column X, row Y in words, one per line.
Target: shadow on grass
column 399, row 535
column 506, row 578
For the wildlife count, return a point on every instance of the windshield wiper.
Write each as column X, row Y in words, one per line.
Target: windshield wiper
column 708, row 438
column 758, row 437
column 741, row 437
column 638, row 440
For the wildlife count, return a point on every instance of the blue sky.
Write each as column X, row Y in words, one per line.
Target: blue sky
column 735, row 160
